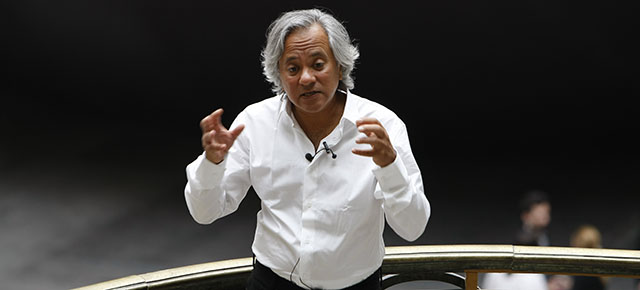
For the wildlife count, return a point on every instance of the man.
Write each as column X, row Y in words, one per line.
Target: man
column 535, row 214
column 329, row 166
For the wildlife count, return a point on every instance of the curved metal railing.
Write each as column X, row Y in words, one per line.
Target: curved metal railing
column 411, row 263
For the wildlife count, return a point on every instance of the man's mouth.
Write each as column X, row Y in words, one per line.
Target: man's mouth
column 308, row 94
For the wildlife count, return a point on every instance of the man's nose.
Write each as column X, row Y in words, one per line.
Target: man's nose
column 307, row 77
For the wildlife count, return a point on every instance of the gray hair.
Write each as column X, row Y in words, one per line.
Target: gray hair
column 343, row 49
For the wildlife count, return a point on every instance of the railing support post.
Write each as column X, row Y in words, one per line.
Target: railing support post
column 471, row 281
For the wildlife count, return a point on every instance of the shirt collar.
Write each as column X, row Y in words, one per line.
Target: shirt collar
column 284, row 113
column 350, row 113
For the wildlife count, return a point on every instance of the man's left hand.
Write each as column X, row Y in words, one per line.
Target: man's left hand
column 381, row 150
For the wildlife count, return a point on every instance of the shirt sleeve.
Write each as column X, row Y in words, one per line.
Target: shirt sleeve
column 406, row 207
column 216, row 190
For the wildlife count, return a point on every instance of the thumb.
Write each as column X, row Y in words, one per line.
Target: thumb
column 236, row 131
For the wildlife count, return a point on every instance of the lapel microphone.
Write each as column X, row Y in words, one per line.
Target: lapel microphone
column 326, row 149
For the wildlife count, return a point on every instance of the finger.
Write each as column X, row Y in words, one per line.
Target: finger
column 367, row 120
column 216, row 119
column 372, row 140
column 209, row 143
column 376, row 129
column 215, row 147
column 207, row 138
column 207, row 122
column 209, row 135
column 236, row 131
column 363, row 152
column 212, row 121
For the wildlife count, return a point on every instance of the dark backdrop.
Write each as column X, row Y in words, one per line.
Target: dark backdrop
column 101, row 102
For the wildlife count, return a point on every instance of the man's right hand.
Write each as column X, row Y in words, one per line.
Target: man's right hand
column 216, row 139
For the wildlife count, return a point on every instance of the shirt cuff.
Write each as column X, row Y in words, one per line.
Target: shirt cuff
column 393, row 177
column 205, row 174
column 393, row 180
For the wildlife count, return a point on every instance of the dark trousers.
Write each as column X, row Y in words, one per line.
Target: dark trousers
column 262, row 278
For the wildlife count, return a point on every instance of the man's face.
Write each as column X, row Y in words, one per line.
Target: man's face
column 539, row 216
column 308, row 69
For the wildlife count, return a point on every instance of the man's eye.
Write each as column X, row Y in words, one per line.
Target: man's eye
column 319, row 65
column 292, row 69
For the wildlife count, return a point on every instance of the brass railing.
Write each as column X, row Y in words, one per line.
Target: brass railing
column 412, row 263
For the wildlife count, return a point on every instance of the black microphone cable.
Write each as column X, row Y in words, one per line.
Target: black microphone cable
column 326, row 149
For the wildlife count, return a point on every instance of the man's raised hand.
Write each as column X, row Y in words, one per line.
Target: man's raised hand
column 381, row 149
column 216, row 139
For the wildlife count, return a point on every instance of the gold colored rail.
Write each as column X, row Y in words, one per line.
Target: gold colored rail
column 409, row 263
column 475, row 259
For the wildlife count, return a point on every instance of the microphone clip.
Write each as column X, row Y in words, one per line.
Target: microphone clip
column 326, row 148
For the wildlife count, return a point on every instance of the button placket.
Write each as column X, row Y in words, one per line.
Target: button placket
column 307, row 221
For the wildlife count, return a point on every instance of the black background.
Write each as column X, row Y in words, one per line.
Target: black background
column 101, row 101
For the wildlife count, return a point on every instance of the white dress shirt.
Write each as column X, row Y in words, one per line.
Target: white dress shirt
column 320, row 222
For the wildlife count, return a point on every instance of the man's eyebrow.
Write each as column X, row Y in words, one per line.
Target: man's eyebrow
column 288, row 59
column 318, row 53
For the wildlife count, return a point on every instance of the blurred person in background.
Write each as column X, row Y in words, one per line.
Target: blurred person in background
column 535, row 215
column 560, row 282
column 587, row 236
column 514, row 281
